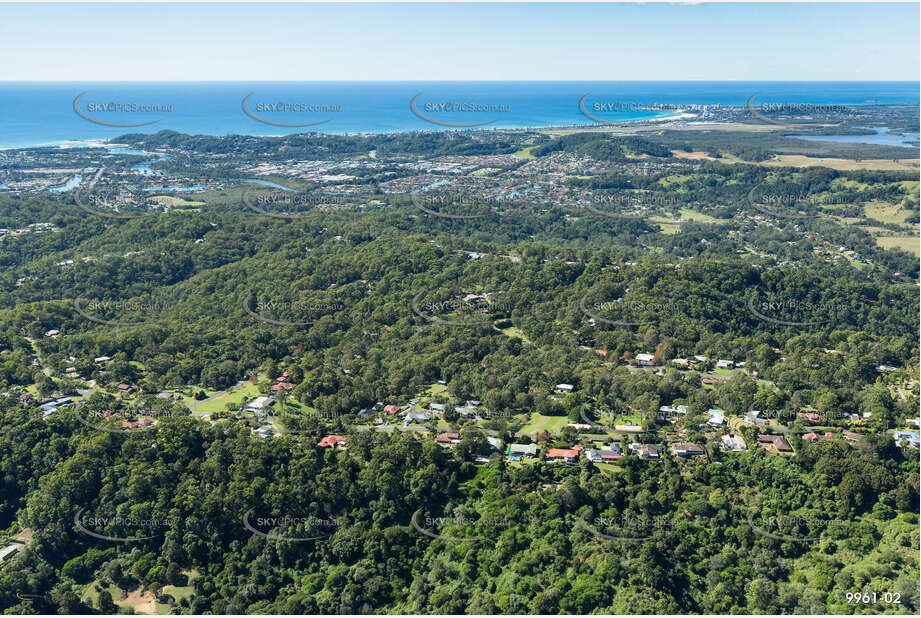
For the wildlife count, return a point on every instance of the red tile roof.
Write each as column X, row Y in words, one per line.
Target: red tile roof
column 333, row 441
column 566, row 453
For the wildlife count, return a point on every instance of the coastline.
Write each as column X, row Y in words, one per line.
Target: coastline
column 96, row 142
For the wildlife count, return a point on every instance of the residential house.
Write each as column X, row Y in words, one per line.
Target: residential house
column 415, row 417
column 101, row 359
column 608, row 453
column 144, row 422
column 734, row 442
column 259, row 405
column 773, row 442
column 10, row 550
column 563, row 388
column 282, row 386
column 646, row 451
column 725, row 364
column 566, row 455
column 755, row 418
column 813, row 436
column 449, row 438
column 645, row 359
column 333, row 441
column 812, row 417
column 391, row 409
column 437, row 407
column 716, row 417
column 365, row 413
column 850, row 436
column 910, row 438
column 52, row 333
column 264, row 431
column 681, row 362
column 519, row 451
column 125, row 388
column 494, row 443
column 686, row 449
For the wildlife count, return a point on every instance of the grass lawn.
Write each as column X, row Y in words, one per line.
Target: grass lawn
column 233, row 395
column 434, row 390
column 841, row 164
column 140, row 603
column 549, row 424
column 906, row 243
column 169, row 200
column 692, row 215
column 525, row 153
column 669, row 228
column 608, row 467
column 886, row 213
column 626, row 419
column 178, row 592
column 514, row 331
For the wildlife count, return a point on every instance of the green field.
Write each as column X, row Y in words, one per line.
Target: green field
column 906, row 243
column 514, row 331
column 549, row 424
column 692, row 215
column 237, row 396
column 886, row 213
column 178, row 592
column 525, row 153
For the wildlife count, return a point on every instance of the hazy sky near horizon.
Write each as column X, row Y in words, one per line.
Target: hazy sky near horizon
column 249, row 42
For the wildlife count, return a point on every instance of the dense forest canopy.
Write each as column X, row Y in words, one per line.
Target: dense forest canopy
column 535, row 309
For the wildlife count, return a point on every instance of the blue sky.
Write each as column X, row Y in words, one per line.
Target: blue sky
column 75, row 42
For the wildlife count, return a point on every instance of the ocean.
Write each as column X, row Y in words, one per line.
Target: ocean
column 34, row 114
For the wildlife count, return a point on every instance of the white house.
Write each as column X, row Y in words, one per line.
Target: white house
column 725, row 364
column 564, row 388
column 716, row 417
column 734, row 442
column 644, row 359
column 259, row 404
